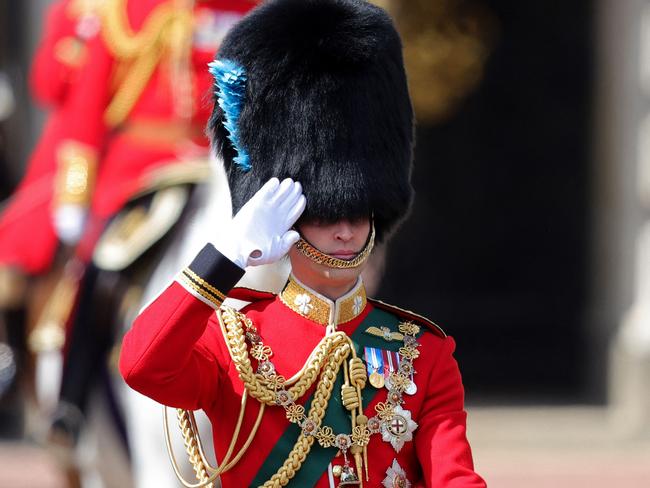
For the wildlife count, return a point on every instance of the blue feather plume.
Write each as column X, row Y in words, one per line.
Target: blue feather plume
column 230, row 88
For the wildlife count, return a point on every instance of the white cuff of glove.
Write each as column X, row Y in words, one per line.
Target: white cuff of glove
column 69, row 221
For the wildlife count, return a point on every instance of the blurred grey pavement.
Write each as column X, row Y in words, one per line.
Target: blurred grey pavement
column 559, row 447
column 26, row 466
column 556, row 447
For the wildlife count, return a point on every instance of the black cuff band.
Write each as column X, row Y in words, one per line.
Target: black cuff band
column 211, row 274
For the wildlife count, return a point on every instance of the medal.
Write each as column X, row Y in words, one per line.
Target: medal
column 412, row 388
column 398, row 428
column 392, row 359
column 396, row 477
column 376, row 380
column 376, row 369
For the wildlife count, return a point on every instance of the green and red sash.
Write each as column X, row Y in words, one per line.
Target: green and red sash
column 337, row 416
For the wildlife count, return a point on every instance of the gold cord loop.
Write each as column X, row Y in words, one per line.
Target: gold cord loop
column 358, row 373
column 349, row 397
column 192, row 446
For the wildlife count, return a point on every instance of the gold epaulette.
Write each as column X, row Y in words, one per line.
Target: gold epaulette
column 408, row 315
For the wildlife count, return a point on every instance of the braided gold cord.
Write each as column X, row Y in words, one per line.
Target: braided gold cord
column 349, row 397
column 358, row 373
column 120, row 37
column 142, row 50
column 317, row 411
column 236, row 341
column 323, row 364
column 322, row 351
column 191, row 446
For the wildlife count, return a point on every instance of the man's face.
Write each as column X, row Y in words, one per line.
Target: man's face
column 343, row 240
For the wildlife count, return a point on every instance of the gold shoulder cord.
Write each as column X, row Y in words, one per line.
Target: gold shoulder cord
column 325, row 361
column 167, row 26
column 205, row 472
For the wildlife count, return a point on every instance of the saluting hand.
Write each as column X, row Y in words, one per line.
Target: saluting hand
column 260, row 232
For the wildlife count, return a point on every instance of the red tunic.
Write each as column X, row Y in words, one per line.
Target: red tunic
column 175, row 353
column 27, row 238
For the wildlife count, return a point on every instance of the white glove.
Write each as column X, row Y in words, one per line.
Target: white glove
column 259, row 233
column 69, row 222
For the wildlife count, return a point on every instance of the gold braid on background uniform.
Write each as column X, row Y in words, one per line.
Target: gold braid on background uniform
column 140, row 53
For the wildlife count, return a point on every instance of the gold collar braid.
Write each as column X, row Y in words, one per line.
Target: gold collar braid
column 320, row 257
column 314, row 306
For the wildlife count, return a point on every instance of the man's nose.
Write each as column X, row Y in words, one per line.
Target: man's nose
column 344, row 231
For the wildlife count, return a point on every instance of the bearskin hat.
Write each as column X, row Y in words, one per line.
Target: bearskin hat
column 325, row 103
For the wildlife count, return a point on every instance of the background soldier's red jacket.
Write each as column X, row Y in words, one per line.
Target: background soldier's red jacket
column 175, row 353
column 147, row 91
column 27, row 237
column 140, row 104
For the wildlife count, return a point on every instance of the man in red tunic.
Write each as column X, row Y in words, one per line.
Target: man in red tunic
column 319, row 385
column 133, row 129
column 28, row 238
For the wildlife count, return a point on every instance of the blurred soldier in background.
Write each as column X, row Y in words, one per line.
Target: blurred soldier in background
column 28, row 235
column 132, row 151
column 10, row 423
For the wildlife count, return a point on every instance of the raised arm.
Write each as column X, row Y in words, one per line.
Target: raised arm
column 166, row 354
column 440, row 442
column 169, row 354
